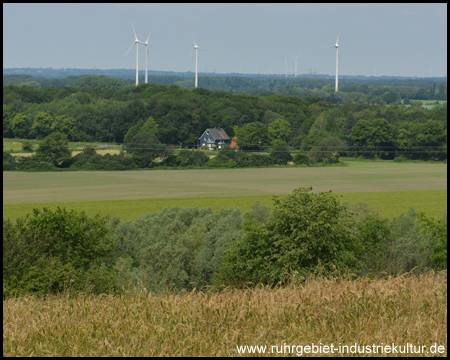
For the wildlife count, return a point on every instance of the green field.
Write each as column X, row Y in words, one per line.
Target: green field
column 428, row 104
column 393, row 187
column 391, row 203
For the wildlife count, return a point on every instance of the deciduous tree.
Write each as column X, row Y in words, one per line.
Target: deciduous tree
column 54, row 149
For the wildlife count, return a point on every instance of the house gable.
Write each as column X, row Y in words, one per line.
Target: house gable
column 214, row 136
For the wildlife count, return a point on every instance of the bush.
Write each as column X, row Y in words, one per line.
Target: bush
column 407, row 248
column 27, row 147
column 9, row 163
column 216, row 163
column 437, row 229
column 31, row 163
column 186, row 158
column 105, row 162
column 306, row 231
column 226, row 154
column 400, row 158
column 177, row 248
column 43, row 252
column 259, row 160
column 281, row 154
column 301, row 158
column 373, row 234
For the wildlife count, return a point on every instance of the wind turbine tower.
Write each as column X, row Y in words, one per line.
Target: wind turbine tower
column 286, row 67
column 136, row 42
column 196, row 48
column 337, row 60
column 146, row 57
column 295, row 57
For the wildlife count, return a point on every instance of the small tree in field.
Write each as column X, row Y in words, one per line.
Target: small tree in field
column 147, row 147
column 306, row 230
column 54, row 149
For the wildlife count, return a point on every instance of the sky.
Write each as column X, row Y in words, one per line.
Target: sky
column 380, row 39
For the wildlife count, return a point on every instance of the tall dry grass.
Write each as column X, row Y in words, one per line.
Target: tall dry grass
column 400, row 310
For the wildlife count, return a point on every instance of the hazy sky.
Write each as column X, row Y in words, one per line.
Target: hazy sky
column 375, row 39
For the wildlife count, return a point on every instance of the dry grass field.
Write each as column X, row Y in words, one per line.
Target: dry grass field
column 392, row 311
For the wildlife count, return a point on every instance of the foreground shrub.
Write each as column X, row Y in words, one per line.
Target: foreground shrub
column 177, row 248
column 304, row 231
column 437, row 229
column 50, row 250
column 393, row 246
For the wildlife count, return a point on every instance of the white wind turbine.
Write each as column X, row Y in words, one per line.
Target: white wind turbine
column 286, row 67
column 146, row 57
column 196, row 48
column 296, row 57
column 337, row 60
column 136, row 42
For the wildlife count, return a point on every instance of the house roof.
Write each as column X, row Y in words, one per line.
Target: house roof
column 218, row 133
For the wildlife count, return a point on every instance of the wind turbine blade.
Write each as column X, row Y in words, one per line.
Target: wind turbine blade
column 337, row 40
column 129, row 49
column 149, row 36
column 195, row 43
column 190, row 54
column 135, row 36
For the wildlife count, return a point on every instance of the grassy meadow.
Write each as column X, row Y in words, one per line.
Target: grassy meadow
column 393, row 187
column 390, row 203
column 401, row 310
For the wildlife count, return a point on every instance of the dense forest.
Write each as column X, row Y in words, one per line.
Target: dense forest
column 98, row 108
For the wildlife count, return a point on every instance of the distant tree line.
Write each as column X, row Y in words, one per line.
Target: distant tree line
column 174, row 115
column 143, row 151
